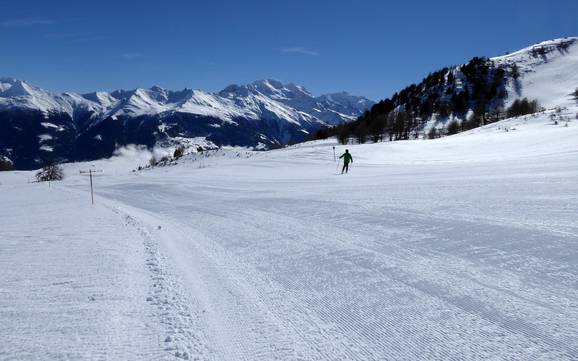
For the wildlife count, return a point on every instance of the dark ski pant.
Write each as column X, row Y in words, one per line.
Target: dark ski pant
column 345, row 167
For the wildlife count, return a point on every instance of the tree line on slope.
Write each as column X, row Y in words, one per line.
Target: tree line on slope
column 463, row 98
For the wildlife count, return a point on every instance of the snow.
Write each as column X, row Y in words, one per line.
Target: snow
column 44, row 137
column 46, row 148
column 71, row 292
column 104, row 98
column 139, row 103
column 50, row 125
column 292, row 100
column 550, row 78
column 211, row 105
column 266, row 100
column 19, row 94
column 457, row 248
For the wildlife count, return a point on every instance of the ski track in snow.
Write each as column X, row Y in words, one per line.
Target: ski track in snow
column 182, row 339
column 276, row 258
column 335, row 279
column 73, row 292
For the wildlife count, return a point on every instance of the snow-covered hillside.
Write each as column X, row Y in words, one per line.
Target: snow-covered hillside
column 460, row 248
column 481, row 91
column 93, row 125
column 548, row 72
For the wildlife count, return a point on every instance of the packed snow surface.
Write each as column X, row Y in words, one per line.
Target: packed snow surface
column 461, row 248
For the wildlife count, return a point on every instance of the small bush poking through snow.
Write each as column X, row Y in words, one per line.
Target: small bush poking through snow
column 51, row 172
column 179, row 152
column 453, row 127
column 471, row 123
column 433, row 133
column 153, row 161
column 5, row 165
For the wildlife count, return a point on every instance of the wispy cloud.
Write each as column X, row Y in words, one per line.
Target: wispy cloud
column 131, row 56
column 21, row 23
column 80, row 37
column 299, row 50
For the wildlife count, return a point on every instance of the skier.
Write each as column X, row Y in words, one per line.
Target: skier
column 347, row 158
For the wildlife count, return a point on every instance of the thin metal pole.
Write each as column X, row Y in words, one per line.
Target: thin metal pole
column 334, row 157
column 91, row 192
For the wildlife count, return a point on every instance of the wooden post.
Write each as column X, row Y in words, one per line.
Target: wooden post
column 90, row 172
column 91, row 191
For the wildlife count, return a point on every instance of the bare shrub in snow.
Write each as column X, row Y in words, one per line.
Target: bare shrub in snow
column 5, row 165
column 51, row 172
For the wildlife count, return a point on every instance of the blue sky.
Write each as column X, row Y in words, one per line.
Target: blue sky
column 370, row 48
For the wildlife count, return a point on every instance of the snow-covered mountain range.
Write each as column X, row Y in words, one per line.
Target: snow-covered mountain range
column 37, row 126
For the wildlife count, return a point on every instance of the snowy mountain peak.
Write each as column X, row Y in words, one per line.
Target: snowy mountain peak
column 268, row 83
column 298, row 89
column 10, row 87
column 268, row 87
column 103, row 98
column 157, row 88
column 332, row 109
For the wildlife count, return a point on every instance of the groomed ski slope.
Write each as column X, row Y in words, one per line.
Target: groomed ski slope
column 461, row 248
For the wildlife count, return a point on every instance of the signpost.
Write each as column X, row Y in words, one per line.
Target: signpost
column 90, row 172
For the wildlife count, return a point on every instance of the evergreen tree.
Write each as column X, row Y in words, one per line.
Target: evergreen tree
column 179, row 152
column 522, row 107
column 361, row 132
column 377, row 128
column 460, row 101
column 343, row 134
column 471, row 123
column 432, row 133
column 322, row 133
column 444, row 109
column 453, row 127
column 515, row 72
column 451, row 78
